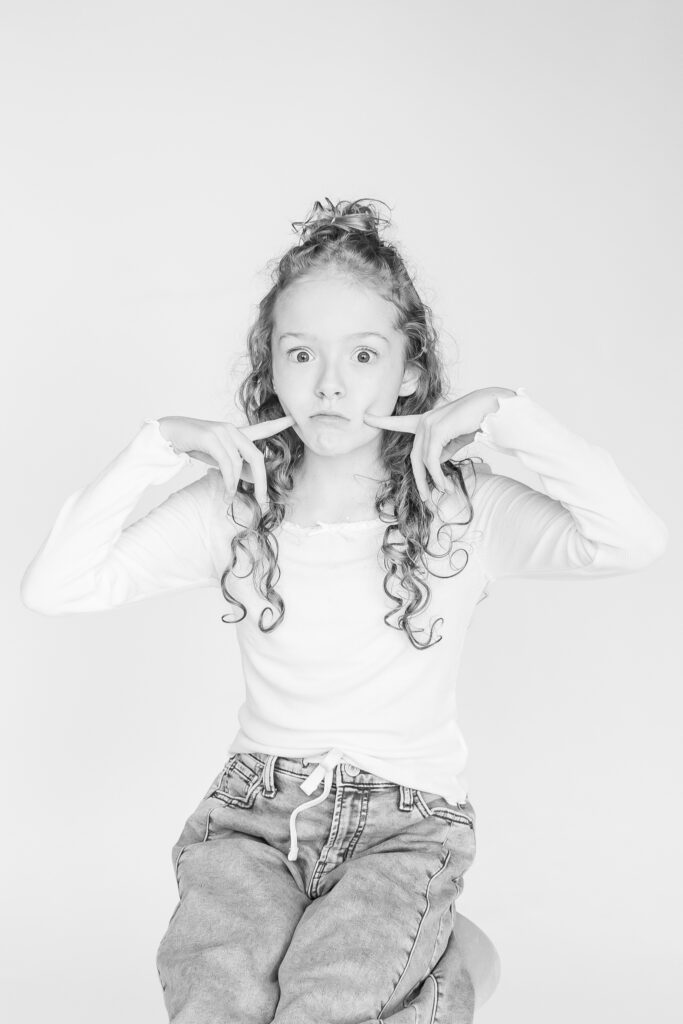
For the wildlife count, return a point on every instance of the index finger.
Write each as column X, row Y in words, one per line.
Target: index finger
column 406, row 424
column 255, row 431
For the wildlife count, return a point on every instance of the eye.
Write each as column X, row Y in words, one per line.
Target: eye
column 298, row 350
column 303, row 351
column 368, row 350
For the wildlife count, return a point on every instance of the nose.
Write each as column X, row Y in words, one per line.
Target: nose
column 329, row 384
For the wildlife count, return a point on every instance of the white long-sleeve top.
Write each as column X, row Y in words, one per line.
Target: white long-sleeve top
column 333, row 674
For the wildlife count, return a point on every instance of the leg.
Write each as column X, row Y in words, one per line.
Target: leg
column 239, row 905
column 446, row 995
column 368, row 949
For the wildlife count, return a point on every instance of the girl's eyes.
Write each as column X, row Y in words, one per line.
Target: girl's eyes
column 303, row 350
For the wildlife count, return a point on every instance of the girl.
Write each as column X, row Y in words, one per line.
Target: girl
column 347, row 517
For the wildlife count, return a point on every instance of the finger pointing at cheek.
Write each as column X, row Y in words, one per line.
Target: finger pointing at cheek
column 406, row 424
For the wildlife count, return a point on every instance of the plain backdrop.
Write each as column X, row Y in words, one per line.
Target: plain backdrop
column 154, row 157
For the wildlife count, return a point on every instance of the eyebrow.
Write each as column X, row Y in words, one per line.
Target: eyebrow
column 311, row 337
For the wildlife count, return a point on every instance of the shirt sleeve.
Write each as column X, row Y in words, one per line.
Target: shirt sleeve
column 588, row 519
column 89, row 562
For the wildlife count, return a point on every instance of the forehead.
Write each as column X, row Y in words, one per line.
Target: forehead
column 333, row 306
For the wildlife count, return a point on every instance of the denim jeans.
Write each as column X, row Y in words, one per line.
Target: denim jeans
column 340, row 912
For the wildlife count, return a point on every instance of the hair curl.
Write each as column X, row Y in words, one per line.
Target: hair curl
column 345, row 238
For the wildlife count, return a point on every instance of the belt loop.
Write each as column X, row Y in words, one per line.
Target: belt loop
column 268, row 778
column 406, row 798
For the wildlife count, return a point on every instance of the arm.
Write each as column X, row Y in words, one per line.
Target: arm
column 88, row 562
column 588, row 520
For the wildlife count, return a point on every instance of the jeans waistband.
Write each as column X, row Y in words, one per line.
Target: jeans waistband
column 328, row 764
column 324, row 772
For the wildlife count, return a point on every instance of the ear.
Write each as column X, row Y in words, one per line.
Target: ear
column 410, row 380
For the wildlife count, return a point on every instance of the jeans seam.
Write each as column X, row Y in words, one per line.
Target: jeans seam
column 186, row 845
column 435, row 1001
column 442, row 867
column 434, row 958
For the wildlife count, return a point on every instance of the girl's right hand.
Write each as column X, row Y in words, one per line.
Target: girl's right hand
column 230, row 448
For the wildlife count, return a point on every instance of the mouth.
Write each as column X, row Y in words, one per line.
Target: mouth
column 328, row 416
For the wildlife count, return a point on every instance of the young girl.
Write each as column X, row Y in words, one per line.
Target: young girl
column 333, row 521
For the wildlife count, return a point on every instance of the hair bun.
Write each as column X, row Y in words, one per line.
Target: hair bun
column 340, row 217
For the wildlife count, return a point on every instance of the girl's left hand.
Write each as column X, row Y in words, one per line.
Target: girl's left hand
column 441, row 432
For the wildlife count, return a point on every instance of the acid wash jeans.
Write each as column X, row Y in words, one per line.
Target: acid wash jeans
column 342, row 914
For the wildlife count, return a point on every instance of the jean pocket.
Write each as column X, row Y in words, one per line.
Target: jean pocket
column 432, row 805
column 240, row 781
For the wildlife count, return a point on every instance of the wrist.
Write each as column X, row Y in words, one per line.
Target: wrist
column 490, row 404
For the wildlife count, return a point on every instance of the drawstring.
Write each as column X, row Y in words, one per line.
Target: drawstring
column 326, row 766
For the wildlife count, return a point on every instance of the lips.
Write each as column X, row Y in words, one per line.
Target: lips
column 327, row 416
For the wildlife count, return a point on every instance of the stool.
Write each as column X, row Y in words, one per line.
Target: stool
column 479, row 956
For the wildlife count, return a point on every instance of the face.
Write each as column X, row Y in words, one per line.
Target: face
column 346, row 358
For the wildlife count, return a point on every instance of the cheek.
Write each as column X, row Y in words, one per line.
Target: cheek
column 286, row 379
column 384, row 387
column 282, row 386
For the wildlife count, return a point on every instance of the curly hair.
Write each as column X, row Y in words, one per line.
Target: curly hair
column 345, row 239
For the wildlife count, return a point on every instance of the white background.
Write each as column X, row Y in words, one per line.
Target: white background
column 154, row 155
